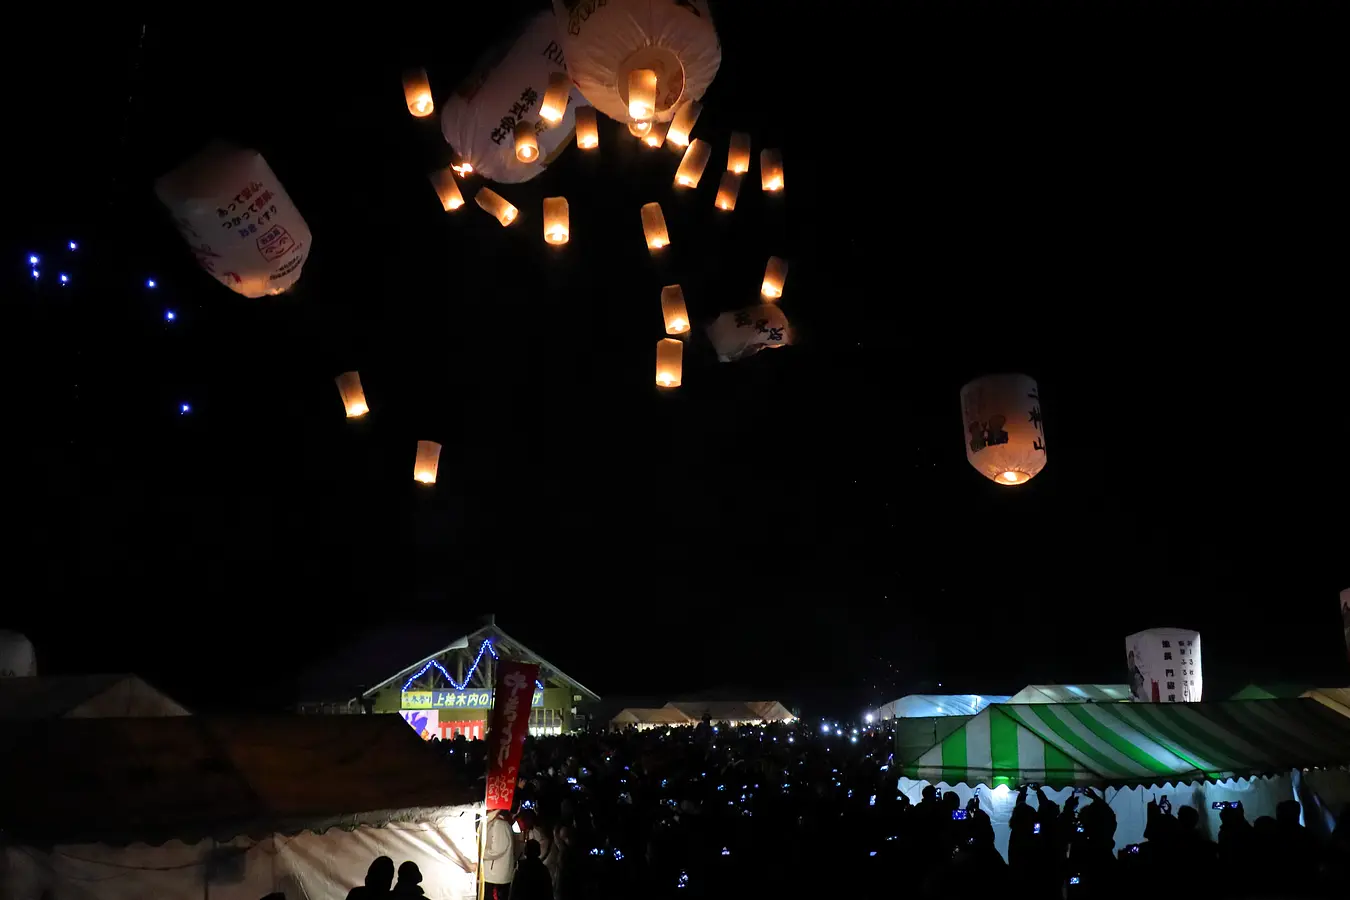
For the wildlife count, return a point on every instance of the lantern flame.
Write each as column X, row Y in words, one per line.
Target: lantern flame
column 428, row 461
column 771, row 169
column 641, row 94
column 527, row 142
column 738, row 154
column 353, row 398
column 588, row 130
column 417, row 93
column 683, row 122
column 669, row 362
column 775, row 274
column 554, row 104
column 1010, row 476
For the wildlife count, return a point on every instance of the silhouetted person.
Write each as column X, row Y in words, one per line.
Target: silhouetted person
column 532, row 881
column 379, row 878
column 409, row 881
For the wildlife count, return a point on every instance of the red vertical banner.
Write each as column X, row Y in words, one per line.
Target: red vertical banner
column 507, row 728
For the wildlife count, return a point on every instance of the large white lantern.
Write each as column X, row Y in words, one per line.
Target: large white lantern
column 606, row 40
column 1164, row 666
column 17, row 659
column 508, row 86
column 238, row 220
column 744, row 332
column 1004, row 435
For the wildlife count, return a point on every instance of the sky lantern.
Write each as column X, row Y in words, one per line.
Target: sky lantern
column 1004, row 434
column 654, row 227
column 741, row 333
column 509, row 85
column 641, row 94
column 495, row 204
column 673, row 309
column 238, row 220
column 738, row 154
column 692, row 166
column 447, row 188
column 554, row 104
column 727, row 190
column 775, row 274
column 353, row 398
column 428, row 458
column 656, row 134
column 557, row 227
column 771, row 169
column 686, row 114
column 669, row 362
column 1163, row 666
column 417, row 93
column 605, row 43
column 588, row 129
column 527, row 145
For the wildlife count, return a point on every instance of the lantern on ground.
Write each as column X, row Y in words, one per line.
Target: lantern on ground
column 686, row 114
column 527, row 145
column 775, row 274
column 1001, row 417
column 606, row 42
column 588, row 129
column 417, row 93
column 554, row 104
column 428, row 458
column 691, row 167
column 353, row 398
column 727, row 191
column 771, row 169
column 656, row 134
column 738, row 154
column 673, row 309
column 508, row 86
column 669, row 362
column 742, row 333
column 237, row 218
column 495, row 205
column 654, row 227
column 447, row 188
column 641, row 94
column 557, row 228
column 1163, row 665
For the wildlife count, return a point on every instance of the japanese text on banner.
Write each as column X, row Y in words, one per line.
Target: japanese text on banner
column 507, row 727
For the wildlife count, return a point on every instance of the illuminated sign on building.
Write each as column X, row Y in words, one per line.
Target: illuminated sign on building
column 474, row 699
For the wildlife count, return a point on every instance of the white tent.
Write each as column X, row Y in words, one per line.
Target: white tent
column 733, row 712
column 919, row 706
column 83, row 697
column 188, row 807
column 644, row 718
column 1072, row 693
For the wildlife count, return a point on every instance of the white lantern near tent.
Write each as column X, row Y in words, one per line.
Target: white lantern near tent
column 727, row 191
column 654, row 226
column 495, row 205
column 17, row 659
column 606, row 42
column 775, row 276
column 417, row 93
column 691, row 167
column 507, row 87
column 669, row 363
column 447, row 189
column 353, row 398
column 1004, row 434
column 428, row 460
column 686, row 114
column 557, row 221
column 238, row 219
column 1164, row 666
column 673, row 310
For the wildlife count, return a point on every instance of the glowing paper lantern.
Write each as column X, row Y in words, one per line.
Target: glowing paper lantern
column 461, row 166
column 669, row 362
column 654, row 227
column 353, row 398
column 775, row 274
column 496, row 205
column 691, row 167
column 1164, row 666
column 554, row 104
column 588, row 129
column 417, row 93
column 527, row 145
column 606, row 42
column 673, row 309
column 727, row 191
column 686, row 114
column 771, row 169
column 641, row 94
column 237, row 218
column 656, row 134
column 507, row 86
column 428, row 458
column 744, row 332
column 557, row 228
column 447, row 188
column 1001, row 416
column 738, row 154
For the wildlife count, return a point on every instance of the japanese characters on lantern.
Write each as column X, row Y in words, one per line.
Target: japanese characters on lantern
column 1004, row 432
column 691, row 167
column 447, row 188
column 673, row 309
column 669, row 362
column 353, row 398
column 1164, row 666
column 771, row 169
column 417, row 93
column 557, row 228
column 527, row 143
column 775, row 274
column 686, row 114
column 495, row 205
column 588, row 129
column 554, row 104
column 428, row 458
column 738, row 154
column 727, row 191
column 654, row 227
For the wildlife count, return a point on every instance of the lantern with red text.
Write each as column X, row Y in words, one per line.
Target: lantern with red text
column 554, row 104
column 673, row 309
column 353, row 398
column 588, row 129
column 669, row 362
column 428, row 459
column 495, row 205
column 686, row 114
column 727, row 191
column 692, row 166
column 771, row 169
column 417, row 93
column 447, row 189
column 654, row 227
column 557, row 227
column 738, row 154
column 1004, row 435
column 775, row 274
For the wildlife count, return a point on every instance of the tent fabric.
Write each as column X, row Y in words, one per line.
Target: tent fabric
column 1272, row 691
column 1337, row 699
column 83, row 696
column 658, row 716
column 1072, row 693
column 923, row 706
column 733, row 710
column 1130, row 744
column 191, row 777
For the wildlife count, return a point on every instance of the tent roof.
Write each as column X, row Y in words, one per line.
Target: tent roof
column 1071, row 693
column 634, row 715
column 1332, row 698
column 54, row 696
column 190, row 777
column 933, row 705
column 732, row 710
column 1270, row 691
column 1123, row 744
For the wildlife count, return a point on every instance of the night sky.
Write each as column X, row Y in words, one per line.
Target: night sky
column 1144, row 215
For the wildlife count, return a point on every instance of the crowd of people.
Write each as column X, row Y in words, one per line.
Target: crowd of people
column 784, row 811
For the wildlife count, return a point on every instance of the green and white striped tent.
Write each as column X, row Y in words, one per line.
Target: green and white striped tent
column 1134, row 744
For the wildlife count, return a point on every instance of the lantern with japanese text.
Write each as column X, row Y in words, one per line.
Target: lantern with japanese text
column 606, row 42
column 447, row 189
column 673, row 309
column 495, row 205
column 669, row 362
column 1163, row 665
column 237, row 218
column 428, row 459
column 692, row 166
column 738, row 154
column 507, row 87
column 417, row 93
column 1001, row 417
column 654, row 227
column 554, row 104
column 771, row 169
column 557, row 227
column 686, row 114
column 775, row 274
column 353, row 398
column 527, row 145
column 588, row 129
column 727, row 191
column 741, row 333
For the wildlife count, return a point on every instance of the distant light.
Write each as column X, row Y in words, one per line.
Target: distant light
column 169, row 315
column 37, row 274
column 73, row 245
column 33, row 260
column 854, row 738
column 868, row 718
column 150, row 282
column 184, row 409
column 825, row 727
column 873, row 853
column 65, row 279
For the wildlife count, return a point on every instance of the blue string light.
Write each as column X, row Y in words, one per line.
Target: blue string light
column 486, row 646
column 184, row 409
column 65, row 279
column 33, row 260
column 150, row 283
column 73, row 245
column 169, row 315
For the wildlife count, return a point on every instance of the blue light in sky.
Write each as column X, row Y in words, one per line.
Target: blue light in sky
column 65, row 279
column 184, row 409
column 37, row 274
column 32, row 260
column 74, row 246
column 169, row 315
column 150, row 283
